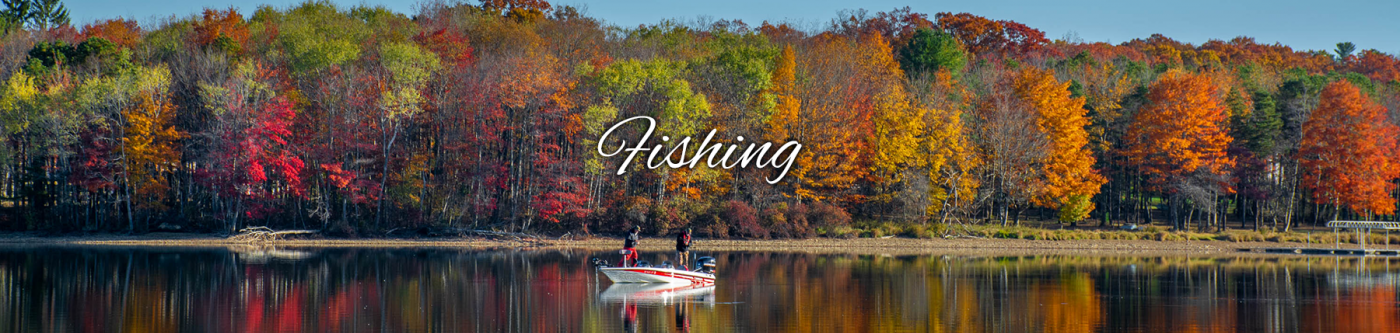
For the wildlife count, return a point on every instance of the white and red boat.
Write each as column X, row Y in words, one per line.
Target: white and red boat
column 644, row 273
column 656, row 275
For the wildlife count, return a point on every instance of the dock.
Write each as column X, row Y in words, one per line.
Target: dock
column 1333, row 252
column 1362, row 229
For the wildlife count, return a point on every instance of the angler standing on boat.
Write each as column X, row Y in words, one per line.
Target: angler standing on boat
column 629, row 246
column 682, row 247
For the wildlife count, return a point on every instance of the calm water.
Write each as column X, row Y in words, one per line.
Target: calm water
column 104, row 289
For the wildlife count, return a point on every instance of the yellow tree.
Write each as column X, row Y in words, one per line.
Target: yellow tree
column 832, row 118
column 1069, row 175
column 16, row 113
column 852, row 117
column 785, row 120
column 897, row 123
column 151, row 141
column 946, row 155
column 783, row 90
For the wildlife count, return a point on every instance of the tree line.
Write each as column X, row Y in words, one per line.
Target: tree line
column 486, row 115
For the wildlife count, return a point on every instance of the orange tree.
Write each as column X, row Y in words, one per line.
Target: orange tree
column 1348, row 152
column 1178, row 140
column 1069, row 175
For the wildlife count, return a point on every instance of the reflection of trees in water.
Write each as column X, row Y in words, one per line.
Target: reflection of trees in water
column 87, row 289
column 1051, row 293
column 864, row 293
column 104, row 289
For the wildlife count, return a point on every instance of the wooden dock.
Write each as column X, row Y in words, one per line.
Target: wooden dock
column 1363, row 231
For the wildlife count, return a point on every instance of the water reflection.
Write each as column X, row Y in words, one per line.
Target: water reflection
column 658, row 293
column 104, row 289
column 677, row 297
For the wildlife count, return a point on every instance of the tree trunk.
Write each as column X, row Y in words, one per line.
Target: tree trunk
column 1018, row 217
column 1240, row 208
column 1175, row 218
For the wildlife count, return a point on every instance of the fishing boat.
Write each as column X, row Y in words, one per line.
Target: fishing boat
column 643, row 272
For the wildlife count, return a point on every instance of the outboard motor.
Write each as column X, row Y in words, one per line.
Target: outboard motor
column 705, row 265
column 598, row 262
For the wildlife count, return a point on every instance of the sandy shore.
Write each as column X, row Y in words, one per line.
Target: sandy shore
column 883, row 246
column 910, row 246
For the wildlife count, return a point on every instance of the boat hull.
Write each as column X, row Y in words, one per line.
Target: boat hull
column 656, row 275
column 658, row 293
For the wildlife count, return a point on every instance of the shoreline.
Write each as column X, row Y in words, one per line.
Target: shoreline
column 877, row 246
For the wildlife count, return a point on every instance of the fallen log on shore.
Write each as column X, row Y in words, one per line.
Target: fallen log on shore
column 265, row 234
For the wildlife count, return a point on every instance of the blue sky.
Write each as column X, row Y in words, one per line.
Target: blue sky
column 1301, row 24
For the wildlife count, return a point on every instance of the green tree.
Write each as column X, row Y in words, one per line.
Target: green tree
column 316, row 35
column 49, row 54
column 39, row 14
column 931, row 50
column 654, row 88
column 48, row 14
column 735, row 79
column 15, row 15
column 1261, row 129
column 1344, row 50
column 108, row 56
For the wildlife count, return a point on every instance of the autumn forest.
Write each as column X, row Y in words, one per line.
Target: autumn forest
column 486, row 115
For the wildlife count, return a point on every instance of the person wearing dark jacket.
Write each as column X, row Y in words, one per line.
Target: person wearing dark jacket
column 682, row 247
column 629, row 246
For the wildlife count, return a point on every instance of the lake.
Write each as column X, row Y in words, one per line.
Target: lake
column 166, row 289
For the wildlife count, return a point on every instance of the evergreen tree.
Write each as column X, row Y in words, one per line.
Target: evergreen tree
column 38, row 14
column 15, row 15
column 931, row 50
column 1262, row 128
column 47, row 14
